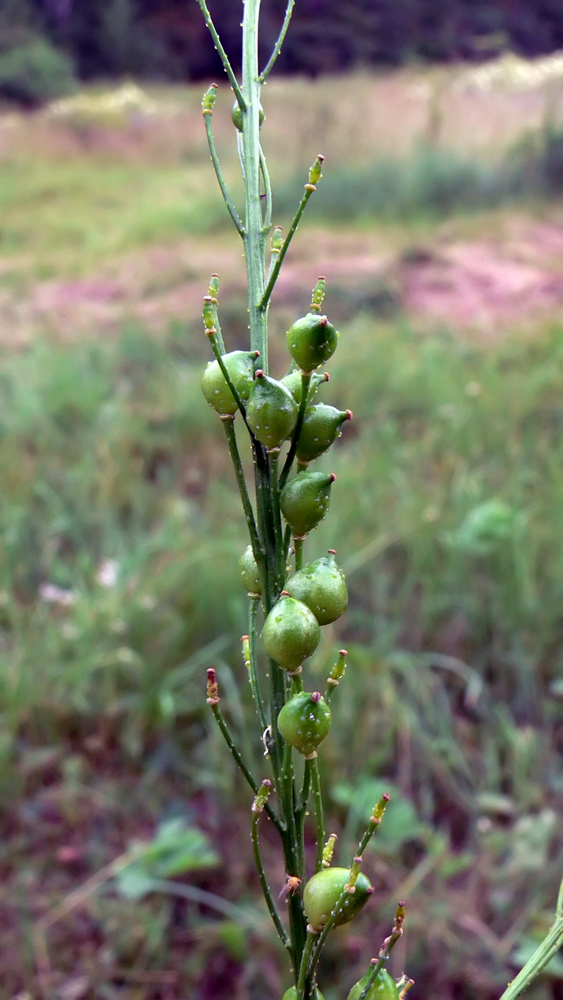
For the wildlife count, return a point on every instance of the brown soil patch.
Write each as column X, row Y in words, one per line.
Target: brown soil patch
column 489, row 286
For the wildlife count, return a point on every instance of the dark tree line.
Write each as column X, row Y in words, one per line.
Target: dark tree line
column 167, row 39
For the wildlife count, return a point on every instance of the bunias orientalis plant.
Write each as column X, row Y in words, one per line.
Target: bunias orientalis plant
column 286, row 430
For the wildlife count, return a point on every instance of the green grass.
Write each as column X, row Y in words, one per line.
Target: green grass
column 435, row 182
column 446, row 512
column 69, row 218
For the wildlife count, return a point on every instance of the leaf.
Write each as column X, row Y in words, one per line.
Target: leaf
column 175, row 850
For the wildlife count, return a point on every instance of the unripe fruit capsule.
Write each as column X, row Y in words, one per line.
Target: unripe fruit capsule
column 248, row 570
column 294, row 384
column 291, row 632
column 321, row 427
column 304, row 721
column 311, row 341
column 304, row 501
column 321, row 585
column 240, row 366
column 236, row 115
column 323, row 891
column 291, row 994
column 383, row 988
column 271, row 412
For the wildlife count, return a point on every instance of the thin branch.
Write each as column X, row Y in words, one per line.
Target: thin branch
column 305, row 383
column 310, row 188
column 268, row 191
column 229, row 425
column 542, row 955
column 224, row 57
column 276, row 514
column 264, row 884
column 385, row 950
column 277, row 47
column 251, row 663
column 305, row 960
column 219, row 718
column 316, row 782
column 222, row 183
column 374, row 823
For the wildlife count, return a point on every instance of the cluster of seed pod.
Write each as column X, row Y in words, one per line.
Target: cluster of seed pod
column 315, row 594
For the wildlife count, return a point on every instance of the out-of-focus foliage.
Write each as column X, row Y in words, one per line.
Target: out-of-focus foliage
column 167, row 38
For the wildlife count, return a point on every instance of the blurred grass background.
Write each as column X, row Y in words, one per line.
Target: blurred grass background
column 120, row 530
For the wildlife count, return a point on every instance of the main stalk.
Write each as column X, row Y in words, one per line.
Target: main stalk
column 255, row 234
column 255, row 237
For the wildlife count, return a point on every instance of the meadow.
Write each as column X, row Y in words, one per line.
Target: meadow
column 439, row 227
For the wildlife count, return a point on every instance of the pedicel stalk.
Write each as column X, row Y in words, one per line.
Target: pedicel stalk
column 285, row 430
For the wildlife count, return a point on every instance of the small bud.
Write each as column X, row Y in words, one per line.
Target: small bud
column 246, row 650
column 277, row 239
column 328, row 850
column 214, row 286
column 262, row 796
column 318, row 294
column 404, row 986
column 208, row 100
column 208, row 313
column 337, row 672
column 212, row 687
column 353, row 877
column 315, row 172
column 379, row 809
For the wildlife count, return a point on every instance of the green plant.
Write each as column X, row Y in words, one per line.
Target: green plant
column 289, row 507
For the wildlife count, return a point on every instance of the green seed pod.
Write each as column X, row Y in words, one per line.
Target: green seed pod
column 321, row 427
column 304, row 501
column 312, row 341
column 291, row 632
column 304, row 721
column 271, row 412
column 294, row 384
column 249, row 571
column 240, row 366
column 323, row 891
column 236, row 115
column 291, row 994
column 321, row 585
column 383, row 988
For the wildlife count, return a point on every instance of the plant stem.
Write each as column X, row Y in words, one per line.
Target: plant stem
column 224, row 57
column 305, row 383
column 277, row 47
column 229, row 425
column 316, row 783
column 542, row 955
column 386, row 950
column 224, row 189
column 268, row 192
column 254, row 238
column 264, row 884
column 285, row 247
column 280, row 827
column 305, row 962
column 374, row 823
column 252, row 665
column 275, row 492
column 298, row 545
